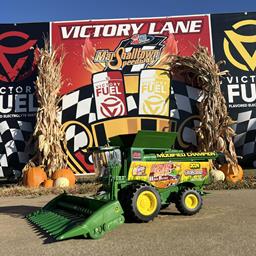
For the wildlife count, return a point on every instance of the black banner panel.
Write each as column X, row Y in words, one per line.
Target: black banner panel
column 234, row 40
column 18, row 50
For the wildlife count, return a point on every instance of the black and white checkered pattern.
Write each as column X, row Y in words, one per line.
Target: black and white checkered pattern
column 184, row 99
column 76, row 138
column 189, row 134
column 14, row 151
column 183, row 105
column 79, row 105
column 245, row 128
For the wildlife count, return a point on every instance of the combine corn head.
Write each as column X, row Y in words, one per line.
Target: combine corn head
column 68, row 216
column 140, row 175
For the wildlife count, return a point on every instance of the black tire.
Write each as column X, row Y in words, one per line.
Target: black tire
column 142, row 204
column 189, row 202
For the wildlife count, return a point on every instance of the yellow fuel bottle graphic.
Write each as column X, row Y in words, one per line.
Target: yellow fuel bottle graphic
column 154, row 92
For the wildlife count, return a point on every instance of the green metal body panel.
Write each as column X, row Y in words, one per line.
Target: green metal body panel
column 69, row 216
column 152, row 139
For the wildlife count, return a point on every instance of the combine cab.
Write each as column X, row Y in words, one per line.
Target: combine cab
column 140, row 175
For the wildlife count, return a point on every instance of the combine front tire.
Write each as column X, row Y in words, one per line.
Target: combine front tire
column 189, row 202
column 144, row 203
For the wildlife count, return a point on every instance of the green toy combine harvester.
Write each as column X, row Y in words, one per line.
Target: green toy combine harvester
column 140, row 175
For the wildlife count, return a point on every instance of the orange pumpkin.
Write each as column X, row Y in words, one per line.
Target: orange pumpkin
column 34, row 177
column 233, row 173
column 66, row 173
column 48, row 183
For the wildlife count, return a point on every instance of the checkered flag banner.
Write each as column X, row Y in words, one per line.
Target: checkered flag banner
column 245, row 140
column 79, row 105
column 14, row 152
column 183, row 109
column 184, row 99
column 150, row 43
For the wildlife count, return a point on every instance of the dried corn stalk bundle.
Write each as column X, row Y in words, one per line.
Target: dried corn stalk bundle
column 200, row 70
column 48, row 133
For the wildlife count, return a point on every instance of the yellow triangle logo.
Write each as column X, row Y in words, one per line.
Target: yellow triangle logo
column 237, row 40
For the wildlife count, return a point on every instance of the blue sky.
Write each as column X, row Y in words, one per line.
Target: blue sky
column 57, row 10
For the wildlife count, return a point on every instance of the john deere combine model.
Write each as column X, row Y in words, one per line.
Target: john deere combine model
column 140, row 175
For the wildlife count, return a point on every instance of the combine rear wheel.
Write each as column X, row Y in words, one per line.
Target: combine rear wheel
column 189, row 202
column 144, row 203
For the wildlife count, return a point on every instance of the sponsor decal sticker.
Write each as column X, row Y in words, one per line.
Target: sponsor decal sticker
column 195, row 165
column 202, row 172
column 139, row 170
column 136, row 155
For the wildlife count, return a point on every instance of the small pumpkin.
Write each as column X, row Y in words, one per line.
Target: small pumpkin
column 48, row 183
column 66, row 173
column 34, row 177
column 217, row 175
column 233, row 173
column 61, row 182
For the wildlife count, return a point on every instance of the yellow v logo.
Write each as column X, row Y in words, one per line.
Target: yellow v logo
column 151, row 107
column 238, row 40
column 155, row 105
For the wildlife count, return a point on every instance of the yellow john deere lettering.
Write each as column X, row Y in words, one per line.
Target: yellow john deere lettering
column 167, row 155
column 200, row 154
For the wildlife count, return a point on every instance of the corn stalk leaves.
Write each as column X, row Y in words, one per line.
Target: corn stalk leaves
column 201, row 71
column 48, row 133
